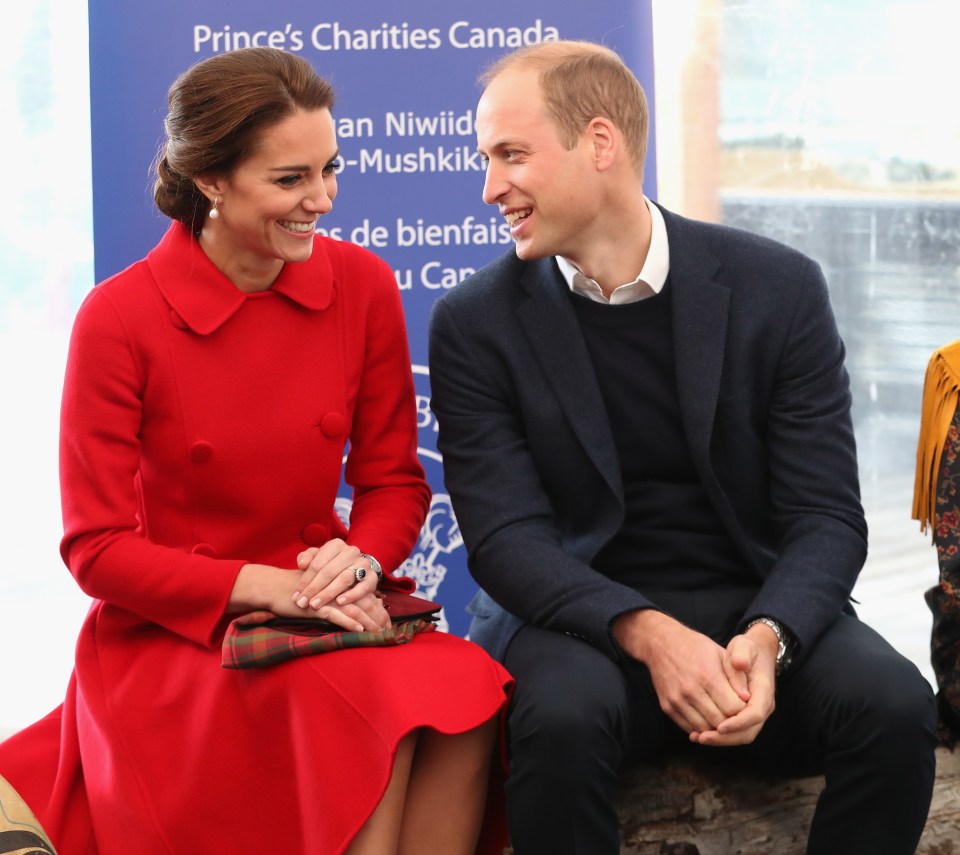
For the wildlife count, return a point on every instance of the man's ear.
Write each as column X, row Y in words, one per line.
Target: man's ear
column 605, row 141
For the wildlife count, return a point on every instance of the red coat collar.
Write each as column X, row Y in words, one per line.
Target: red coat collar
column 200, row 294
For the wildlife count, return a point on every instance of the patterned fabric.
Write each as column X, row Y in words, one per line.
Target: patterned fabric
column 20, row 832
column 944, row 599
column 259, row 639
column 935, row 504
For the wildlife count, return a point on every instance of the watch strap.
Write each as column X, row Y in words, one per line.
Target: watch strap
column 784, row 642
column 374, row 565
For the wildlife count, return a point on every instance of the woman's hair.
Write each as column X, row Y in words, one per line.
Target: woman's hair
column 218, row 110
column 581, row 81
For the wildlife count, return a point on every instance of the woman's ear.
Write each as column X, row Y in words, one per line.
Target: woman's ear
column 210, row 185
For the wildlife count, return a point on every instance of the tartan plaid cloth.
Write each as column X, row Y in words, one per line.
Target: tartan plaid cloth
column 251, row 642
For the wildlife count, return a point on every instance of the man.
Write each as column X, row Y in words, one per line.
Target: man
column 647, row 440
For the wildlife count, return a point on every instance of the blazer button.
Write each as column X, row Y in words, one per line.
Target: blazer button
column 204, row 549
column 332, row 425
column 201, row 451
column 315, row 534
column 177, row 321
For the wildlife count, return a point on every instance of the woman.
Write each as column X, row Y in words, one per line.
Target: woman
column 936, row 503
column 211, row 389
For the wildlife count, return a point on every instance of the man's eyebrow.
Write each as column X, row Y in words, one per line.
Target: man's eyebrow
column 499, row 145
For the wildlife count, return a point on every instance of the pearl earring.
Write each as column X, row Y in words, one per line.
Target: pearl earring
column 214, row 213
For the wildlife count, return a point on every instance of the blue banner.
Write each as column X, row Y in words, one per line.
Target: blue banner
column 405, row 77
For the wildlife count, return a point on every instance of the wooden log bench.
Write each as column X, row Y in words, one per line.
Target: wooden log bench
column 689, row 808
column 686, row 808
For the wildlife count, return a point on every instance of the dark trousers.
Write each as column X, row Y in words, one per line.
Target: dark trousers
column 852, row 709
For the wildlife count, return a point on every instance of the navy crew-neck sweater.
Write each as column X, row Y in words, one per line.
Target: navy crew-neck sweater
column 672, row 538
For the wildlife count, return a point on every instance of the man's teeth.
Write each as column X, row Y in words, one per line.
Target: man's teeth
column 517, row 215
column 297, row 227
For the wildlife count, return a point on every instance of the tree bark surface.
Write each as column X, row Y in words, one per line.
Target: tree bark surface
column 689, row 808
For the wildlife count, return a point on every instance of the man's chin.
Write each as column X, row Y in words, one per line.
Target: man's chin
column 527, row 252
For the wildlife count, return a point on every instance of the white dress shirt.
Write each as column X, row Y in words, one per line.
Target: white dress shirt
column 649, row 281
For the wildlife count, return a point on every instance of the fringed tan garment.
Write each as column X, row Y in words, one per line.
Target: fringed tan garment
column 941, row 396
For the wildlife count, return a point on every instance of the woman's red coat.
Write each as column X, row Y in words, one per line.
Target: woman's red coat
column 202, row 429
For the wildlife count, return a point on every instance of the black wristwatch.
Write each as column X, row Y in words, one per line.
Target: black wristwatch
column 784, row 643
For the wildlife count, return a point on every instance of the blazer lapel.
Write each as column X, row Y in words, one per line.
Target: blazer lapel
column 701, row 307
column 700, row 310
column 551, row 327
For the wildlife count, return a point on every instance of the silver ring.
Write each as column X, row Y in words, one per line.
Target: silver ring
column 359, row 573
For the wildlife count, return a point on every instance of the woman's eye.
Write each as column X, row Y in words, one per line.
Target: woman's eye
column 288, row 180
column 334, row 166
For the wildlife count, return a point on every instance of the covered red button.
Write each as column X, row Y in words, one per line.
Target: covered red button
column 315, row 534
column 332, row 424
column 201, row 451
column 204, row 549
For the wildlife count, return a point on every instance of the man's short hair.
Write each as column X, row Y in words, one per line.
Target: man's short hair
column 581, row 81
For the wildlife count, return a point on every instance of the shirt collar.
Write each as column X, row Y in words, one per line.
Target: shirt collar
column 656, row 266
column 205, row 299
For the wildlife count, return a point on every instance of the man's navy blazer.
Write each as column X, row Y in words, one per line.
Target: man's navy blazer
column 529, row 456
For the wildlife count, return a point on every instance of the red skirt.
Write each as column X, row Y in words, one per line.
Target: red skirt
column 158, row 749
